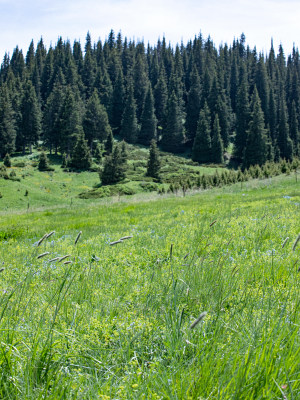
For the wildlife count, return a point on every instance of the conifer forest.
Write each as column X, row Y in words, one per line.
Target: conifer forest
column 193, row 97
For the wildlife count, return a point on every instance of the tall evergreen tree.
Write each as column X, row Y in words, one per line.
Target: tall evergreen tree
column 256, row 149
column 148, row 120
column 129, row 129
column 284, row 141
column 7, row 123
column 95, row 121
column 173, row 135
column 217, row 148
column 193, row 105
column 242, row 118
column 201, row 151
column 117, row 108
column 153, row 165
column 30, row 124
column 81, row 158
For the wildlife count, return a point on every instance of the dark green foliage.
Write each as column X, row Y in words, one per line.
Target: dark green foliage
column 43, row 164
column 129, row 129
column 193, row 105
column 7, row 160
column 201, row 151
column 7, row 123
column 242, row 118
column 109, row 143
column 284, row 141
column 217, row 148
column 114, row 167
column 148, row 120
column 80, row 158
column 64, row 160
column 153, row 165
column 30, row 113
column 256, row 152
column 173, row 135
column 98, row 153
column 56, row 86
column 95, row 121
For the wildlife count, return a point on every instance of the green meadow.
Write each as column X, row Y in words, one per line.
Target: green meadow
column 116, row 321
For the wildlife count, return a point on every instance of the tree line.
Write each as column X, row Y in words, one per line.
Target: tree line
column 193, row 96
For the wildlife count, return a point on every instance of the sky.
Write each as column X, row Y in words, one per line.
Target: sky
column 260, row 21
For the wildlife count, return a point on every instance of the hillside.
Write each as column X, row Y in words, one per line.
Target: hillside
column 117, row 320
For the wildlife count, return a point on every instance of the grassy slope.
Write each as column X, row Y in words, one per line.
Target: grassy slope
column 50, row 189
column 115, row 322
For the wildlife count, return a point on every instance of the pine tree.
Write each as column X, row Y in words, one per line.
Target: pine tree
column 173, row 135
column 109, row 143
column 117, row 108
column 148, row 120
column 81, row 158
column 52, row 119
column 294, row 129
column 284, row 141
column 161, row 98
column 256, row 149
column 30, row 124
column 7, row 160
column 201, row 151
column 217, row 148
column 129, row 129
column 193, row 105
column 114, row 169
column 242, row 118
column 153, row 165
column 140, row 80
column 7, row 123
column 95, row 121
column 43, row 164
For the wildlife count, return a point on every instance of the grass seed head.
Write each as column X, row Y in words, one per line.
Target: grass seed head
column 54, row 259
column 43, row 254
column 78, row 236
column 68, row 262
column 50, row 234
column 199, row 319
column 64, row 257
column 285, row 242
column 116, row 242
column 126, row 237
column 296, row 242
column 42, row 239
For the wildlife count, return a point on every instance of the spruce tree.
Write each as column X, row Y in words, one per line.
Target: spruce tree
column 114, row 168
column 217, row 148
column 129, row 129
column 43, row 164
column 30, row 124
column 201, row 151
column 284, row 141
column 117, row 108
column 294, row 128
column 173, row 135
column 256, row 149
column 7, row 123
column 193, row 105
column 7, row 160
column 153, row 165
column 161, row 98
column 242, row 118
column 81, row 158
column 148, row 120
column 109, row 143
column 95, row 121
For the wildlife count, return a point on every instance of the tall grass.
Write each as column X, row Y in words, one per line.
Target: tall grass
column 116, row 322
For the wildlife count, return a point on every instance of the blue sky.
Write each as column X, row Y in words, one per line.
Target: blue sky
column 21, row 21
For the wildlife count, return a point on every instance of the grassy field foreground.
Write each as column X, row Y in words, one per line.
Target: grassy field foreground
column 114, row 321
